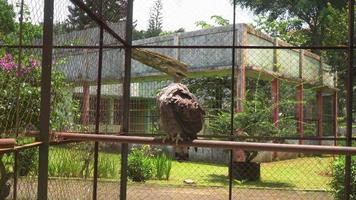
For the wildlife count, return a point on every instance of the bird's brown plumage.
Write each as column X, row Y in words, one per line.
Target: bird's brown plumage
column 180, row 113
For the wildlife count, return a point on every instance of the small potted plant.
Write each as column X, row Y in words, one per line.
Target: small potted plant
column 243, row 167
column 256, row 121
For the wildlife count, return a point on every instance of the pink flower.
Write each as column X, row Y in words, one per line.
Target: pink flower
column 34, row 63
column 7, row 63
column 27, row 69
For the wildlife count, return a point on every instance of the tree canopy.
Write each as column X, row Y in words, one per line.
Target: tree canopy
column 113, row 11
column 7, row 22
column 155, row 22
column 315, row 14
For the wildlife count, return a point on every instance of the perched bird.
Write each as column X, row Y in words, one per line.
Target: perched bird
column 181, row 116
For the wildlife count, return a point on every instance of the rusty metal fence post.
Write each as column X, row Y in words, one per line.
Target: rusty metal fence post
column 126, row 99
column 232, row 110
column 349, row 97
column 98, row 97
column 42, row 188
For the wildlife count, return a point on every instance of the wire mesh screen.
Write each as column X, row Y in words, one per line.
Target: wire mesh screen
column 287, row 179
column 70, row 168
column 266, row 81
column 167, row 178
column 20, row 81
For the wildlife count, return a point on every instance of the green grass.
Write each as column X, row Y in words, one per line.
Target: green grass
column 308, row 173
column 69, row 162
column 343, row 125
column 202, row 173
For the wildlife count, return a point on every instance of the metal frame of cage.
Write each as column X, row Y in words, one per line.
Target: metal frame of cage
column 44, row 141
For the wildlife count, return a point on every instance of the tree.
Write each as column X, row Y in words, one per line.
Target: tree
column 155, row 23
column 218, row 21
column 30, row 32
column 309, row 23
column 20, row 105
column 289, row 30
column 164, row 33
column 7, row 22
column 113, row 11
column 315, row 14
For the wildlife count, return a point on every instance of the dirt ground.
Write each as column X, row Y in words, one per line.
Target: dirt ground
column 82, row 190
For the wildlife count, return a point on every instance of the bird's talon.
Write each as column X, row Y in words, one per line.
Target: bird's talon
column 165, row 138
column 178, row 138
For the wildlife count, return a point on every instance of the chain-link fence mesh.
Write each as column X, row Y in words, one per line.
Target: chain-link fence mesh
column 276, row 93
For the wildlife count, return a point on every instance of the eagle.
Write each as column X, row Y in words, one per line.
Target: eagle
column 181, row 115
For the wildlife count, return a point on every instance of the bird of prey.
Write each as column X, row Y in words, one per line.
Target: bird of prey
column 181, row 116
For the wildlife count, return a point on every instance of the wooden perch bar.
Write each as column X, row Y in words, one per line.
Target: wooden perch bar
column 163, row 63
column 211, row 144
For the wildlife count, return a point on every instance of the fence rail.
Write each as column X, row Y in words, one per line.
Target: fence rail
column 252, row 146
column 55, row 162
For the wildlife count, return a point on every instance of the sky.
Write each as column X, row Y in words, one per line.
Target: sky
column 176, row 13
column 184, row 13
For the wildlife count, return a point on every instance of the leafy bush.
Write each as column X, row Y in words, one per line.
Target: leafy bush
column 140, row 164
column 163, row 165
column 27, row 160
column 64, row 163
column 108, row 166
column 338, row 178
column 256, row 118
column 69, row 161
column 26, row 101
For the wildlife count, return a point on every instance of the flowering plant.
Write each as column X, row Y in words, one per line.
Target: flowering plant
column 20, row 96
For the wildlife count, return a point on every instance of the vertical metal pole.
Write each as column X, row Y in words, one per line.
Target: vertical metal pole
column 349, row 96
column 18, row 98
column 19, row 68
column 15, row 175
column 98, row 97
column 126, row 99
column 45, row 99
column 232, row 95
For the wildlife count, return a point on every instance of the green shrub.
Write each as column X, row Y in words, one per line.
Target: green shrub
column 168, row 169
column 108, row 166
column 337, row 182
column 27, row 160
column 163, row 166
column 140, row 164
column 64, row 163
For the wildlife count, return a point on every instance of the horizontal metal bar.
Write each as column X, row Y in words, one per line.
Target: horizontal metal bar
column 253, row 137
column 212, row 144
column 241, row 47
column 21, row 46
column 20, row 148
column 64, row 46
column 35, row 134
column 181, row 47
column 7, row 143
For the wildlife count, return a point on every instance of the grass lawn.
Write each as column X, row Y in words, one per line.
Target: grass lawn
column 308, row 173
